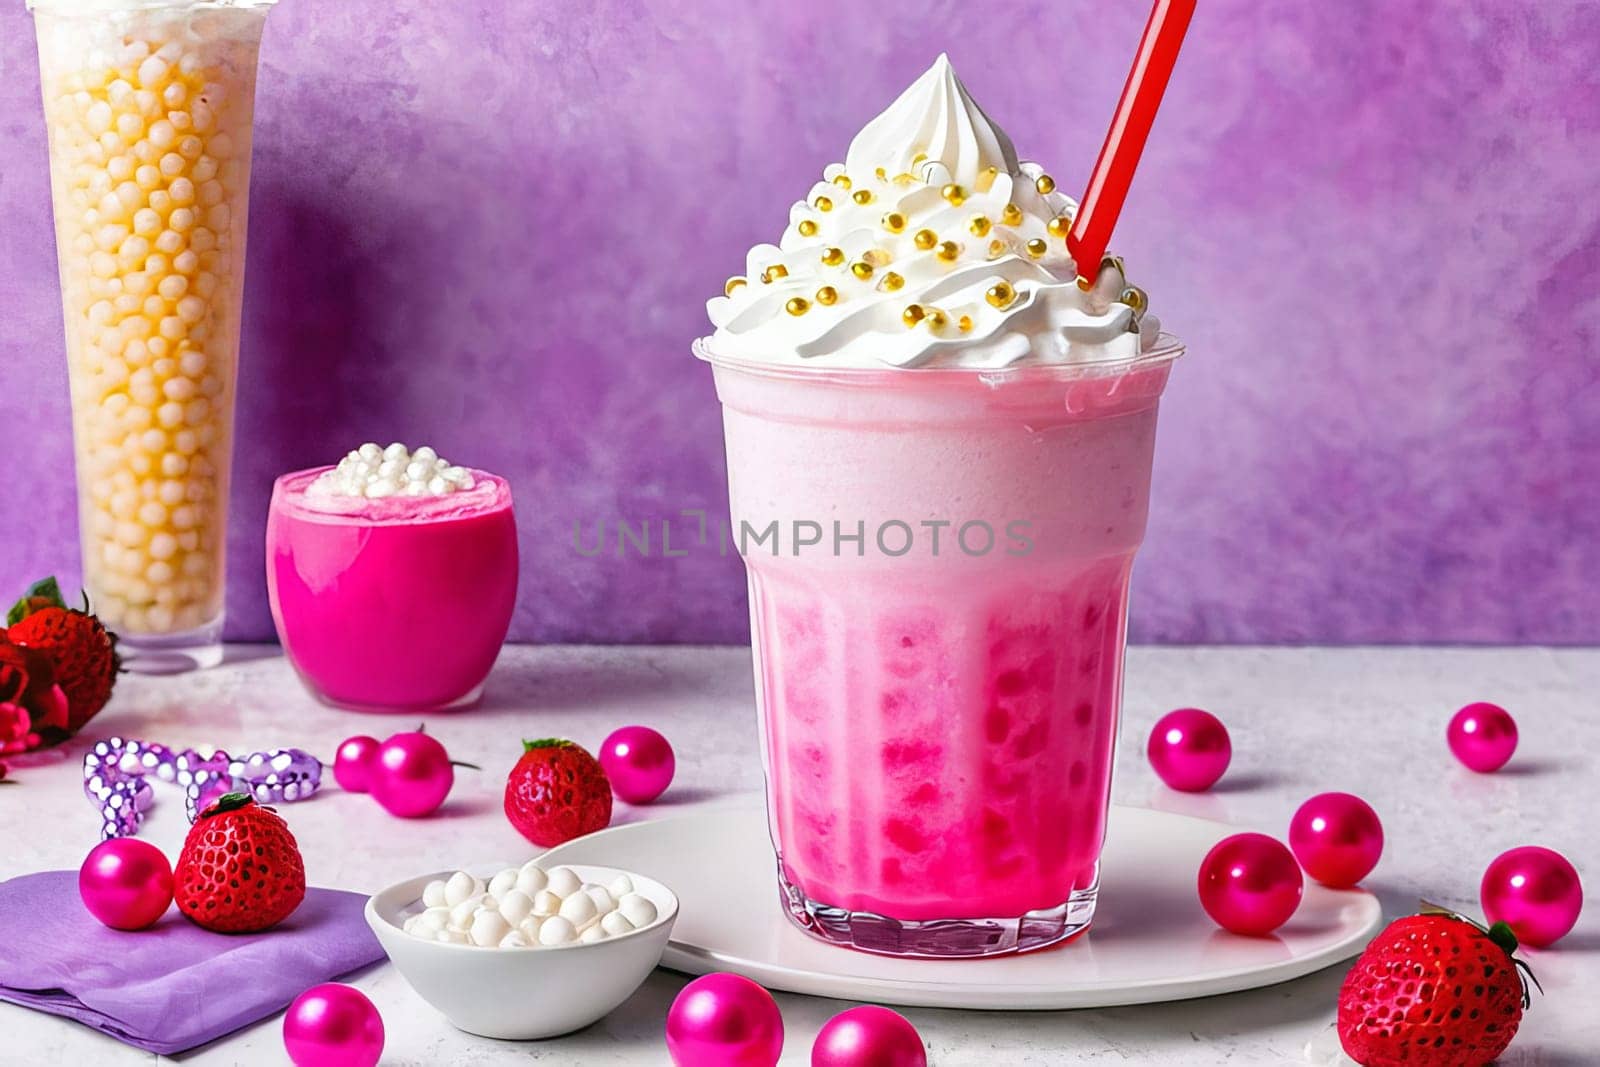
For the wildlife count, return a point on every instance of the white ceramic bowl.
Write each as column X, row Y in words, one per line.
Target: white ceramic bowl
column 519, row 994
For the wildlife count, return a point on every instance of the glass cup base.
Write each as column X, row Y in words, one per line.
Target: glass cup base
column 937, row 938
column 462, row 702
column 174, row 653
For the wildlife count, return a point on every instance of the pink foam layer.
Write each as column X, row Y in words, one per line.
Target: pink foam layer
column 489, row 493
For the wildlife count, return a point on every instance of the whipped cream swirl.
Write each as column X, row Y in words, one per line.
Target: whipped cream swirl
column 931, row 245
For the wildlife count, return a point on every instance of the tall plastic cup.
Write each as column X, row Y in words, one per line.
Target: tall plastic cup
column 149, row 107
column 938, row 567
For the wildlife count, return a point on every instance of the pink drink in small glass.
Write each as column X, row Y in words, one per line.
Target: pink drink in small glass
column 392, row 604
column 938, row 724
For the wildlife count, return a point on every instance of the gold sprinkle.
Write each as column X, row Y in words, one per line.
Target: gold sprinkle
column 1045, row 184
column 980, row 225
column 1037, row 247
column 954, row 193
column 912, row 315
column 774, row 272
column 824, row 204
column 918, row 158
column 882, row 174
column 1000, row 295
column 892, row 281
column 948, row 251
column 965, row 323
column 936, row 319
column 827, row 295
column 877, row 257
column 807, row 228
column 997, row 248
column 1109, row 260
column 1011, row 215
column 733, row 283
column 861, row 270
column 925, row 239
column 841, row 181
column 986, row 179
column 797, row 305
column 1135, row 298
column 894, row 222
column 862, row 196
column 1059, row 226
column 833, row 257
column 904, row 179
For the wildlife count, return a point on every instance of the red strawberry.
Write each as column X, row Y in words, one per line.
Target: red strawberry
column 240, row 870
column 82, row 652
column 1434, row 990
column 556, row 792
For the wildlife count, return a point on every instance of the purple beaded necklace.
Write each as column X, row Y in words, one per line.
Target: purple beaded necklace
column 116, row 777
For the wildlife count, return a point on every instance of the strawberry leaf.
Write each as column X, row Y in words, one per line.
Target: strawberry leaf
column 45, row 593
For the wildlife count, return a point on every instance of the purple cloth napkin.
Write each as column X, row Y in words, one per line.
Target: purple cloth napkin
column 173, row 986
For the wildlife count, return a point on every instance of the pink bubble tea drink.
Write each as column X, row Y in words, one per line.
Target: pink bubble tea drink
column 149, row 107
column 939, row 452
column 392, row 578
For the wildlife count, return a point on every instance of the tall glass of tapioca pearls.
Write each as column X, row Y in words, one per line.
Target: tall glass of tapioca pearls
column 148, row 105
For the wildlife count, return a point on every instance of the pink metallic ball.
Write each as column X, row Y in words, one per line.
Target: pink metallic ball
column 411, row 775
column 1535, row 891
column 126, row 883
column 333, row 1025
column 639, row 762
column 1250, row 884
column 724, row 1020
column 869, row 1036
column 1337, row 838
column 1189, row 749
column 1482, row 736
column 352, row 764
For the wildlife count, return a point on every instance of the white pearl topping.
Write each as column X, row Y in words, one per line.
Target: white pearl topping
column 374, row 473
column 528, row 907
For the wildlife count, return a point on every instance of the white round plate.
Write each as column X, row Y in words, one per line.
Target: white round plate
column 1150, row 941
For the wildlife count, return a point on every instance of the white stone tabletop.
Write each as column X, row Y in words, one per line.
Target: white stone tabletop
column 1368, row 721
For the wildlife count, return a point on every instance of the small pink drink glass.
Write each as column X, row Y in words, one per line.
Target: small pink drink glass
column 394, row 604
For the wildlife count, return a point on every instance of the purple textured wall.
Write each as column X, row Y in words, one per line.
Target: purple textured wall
column 491, row 225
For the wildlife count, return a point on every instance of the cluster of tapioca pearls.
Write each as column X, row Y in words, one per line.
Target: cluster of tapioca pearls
column 146, row 153
column 528, row 907
column 1000, row 294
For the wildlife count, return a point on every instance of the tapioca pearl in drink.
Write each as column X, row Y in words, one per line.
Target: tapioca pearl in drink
column 138, row 117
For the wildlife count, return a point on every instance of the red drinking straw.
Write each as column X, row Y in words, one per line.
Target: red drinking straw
column 1108, row 186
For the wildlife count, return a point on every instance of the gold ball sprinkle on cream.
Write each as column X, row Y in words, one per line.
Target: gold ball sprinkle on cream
column 842, row 181
column 894, row 222
column 936, row 319
column 734, row 283
column 1135, row 298
column 862, row 196
column 807, row 228
column 1000, row 295
column 904, row 179
column 892, row 281
column 797, row 305
column 861, row 269
column 980, row 225
column 925, row 239
column 964, row 323
column 824, row 204
column 986, row 179
column 955, row 194
column 1037, row 247
column 833, row 257
column 1059, row 226
column 774, row 272
column 1011, row 215
column 912, row 315
column 920, row 157
column 877, row 257
column 1045, row 184
column 827, row 295
column 948, row 251
column 997, row 248
column 882, row 174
